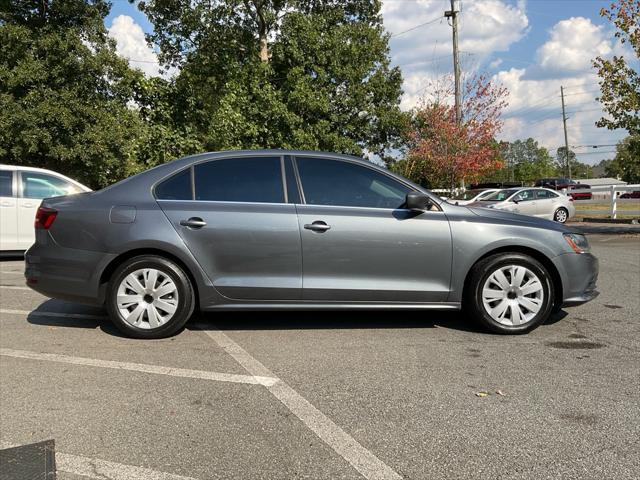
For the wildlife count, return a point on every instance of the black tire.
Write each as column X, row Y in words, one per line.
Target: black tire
column 481, row 271
column 561, row 215
column 185, row 297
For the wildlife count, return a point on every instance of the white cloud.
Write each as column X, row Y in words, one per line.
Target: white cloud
column 132, row 45
column 424, row 53
column 535, row 108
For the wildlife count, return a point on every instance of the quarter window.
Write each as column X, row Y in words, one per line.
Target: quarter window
column 41, row 185
column 6, row 183
column 250, row 179
column 334, row 182
column 177, row 187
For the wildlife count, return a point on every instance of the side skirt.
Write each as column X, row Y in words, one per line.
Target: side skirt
column 335, row 306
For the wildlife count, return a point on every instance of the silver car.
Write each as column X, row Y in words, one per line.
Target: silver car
column 537, row 202
column 277, row 230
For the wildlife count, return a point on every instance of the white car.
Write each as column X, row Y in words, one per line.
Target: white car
column 470, row 196
column 21, row 191
column 537, row 202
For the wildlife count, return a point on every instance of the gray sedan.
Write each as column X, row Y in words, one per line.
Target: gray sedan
column 265, row 230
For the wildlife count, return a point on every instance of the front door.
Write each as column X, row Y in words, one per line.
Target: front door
column 358, row 244
column 236, row 220
column 525, row 203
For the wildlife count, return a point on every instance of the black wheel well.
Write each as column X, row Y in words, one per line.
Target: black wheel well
column 532, row 252
column 123, row 257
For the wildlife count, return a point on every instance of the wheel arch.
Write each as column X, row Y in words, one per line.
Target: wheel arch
column 556, row 279
column 112, row 266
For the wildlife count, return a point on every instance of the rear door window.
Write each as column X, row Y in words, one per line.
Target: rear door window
column 176, row 187
column 242, row 179
column 42, row 185
column 6, row 183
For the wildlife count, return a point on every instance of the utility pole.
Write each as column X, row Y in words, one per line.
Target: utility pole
column 453, row 14
column 566, row 141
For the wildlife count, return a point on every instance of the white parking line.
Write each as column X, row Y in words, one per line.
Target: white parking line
column 40, row 313
column 101, row 469
column 140, row 367
column 364, row 461
column 12, row 272
column 14, row 287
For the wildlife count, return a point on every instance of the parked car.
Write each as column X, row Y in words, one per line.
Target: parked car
column 281, row 230
column 561, row 183
column 21, row 190
column 470, row 196
column 537, row 202
column 633, row 194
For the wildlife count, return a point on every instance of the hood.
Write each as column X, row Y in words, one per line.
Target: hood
column 517, row 219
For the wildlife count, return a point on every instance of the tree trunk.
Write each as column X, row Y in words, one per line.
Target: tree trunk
column 262, row 32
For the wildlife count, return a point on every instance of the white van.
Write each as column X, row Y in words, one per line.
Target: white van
column 21, row 190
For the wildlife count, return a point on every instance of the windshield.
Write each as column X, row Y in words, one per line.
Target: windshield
column 500, row 195
column 468, row 195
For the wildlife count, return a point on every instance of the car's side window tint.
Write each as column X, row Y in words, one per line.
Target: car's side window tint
column 545, row 194
column 41, row 185
column 339, row 183
column 243, row 179
column 6, row 183
column 176, row 187
column 526, row 195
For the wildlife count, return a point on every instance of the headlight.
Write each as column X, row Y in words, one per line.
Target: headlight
column 577, row 242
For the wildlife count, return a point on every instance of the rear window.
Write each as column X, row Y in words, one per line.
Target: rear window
column 6, row 183
column 177, row 187
column 244, row 179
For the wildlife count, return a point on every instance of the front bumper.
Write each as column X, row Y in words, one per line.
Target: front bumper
column 65, row 273
column 579, row 274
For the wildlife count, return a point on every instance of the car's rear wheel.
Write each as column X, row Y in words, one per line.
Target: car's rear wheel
column 509, row 293
column 561, row 215
column 150, row 297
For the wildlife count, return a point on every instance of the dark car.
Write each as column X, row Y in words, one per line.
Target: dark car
column 634, row 194
column 561, row 183
column 282, row 230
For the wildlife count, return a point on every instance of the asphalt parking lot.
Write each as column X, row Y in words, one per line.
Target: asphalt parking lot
column 329, row 395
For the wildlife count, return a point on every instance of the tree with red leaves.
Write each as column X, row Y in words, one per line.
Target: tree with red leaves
column 443, row 153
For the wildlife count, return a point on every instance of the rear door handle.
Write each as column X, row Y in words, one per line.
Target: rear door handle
column 193, row 222
column 317, row 226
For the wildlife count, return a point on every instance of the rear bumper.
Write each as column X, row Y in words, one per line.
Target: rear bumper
column 65, row 273
column 579, row 274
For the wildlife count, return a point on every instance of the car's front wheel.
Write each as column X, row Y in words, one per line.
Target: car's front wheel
column 561, row 215
column 150, row 297
column 509, row 293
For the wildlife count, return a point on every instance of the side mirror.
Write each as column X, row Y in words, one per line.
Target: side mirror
column 515, row 200
column 417, row 201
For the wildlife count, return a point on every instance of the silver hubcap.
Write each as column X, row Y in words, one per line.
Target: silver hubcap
column 512, row 295
column 147, row 298
column 561, row 216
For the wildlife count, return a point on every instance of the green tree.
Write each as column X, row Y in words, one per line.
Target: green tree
column 619, row 80
column 626, row 164
column 578, row 169
column 526, row 161
column 281, row 73
column 64, row 93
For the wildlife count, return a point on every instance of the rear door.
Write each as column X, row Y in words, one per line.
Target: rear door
column 33, row 187
column 8, row 211
column 359, row 244
column 235, row 217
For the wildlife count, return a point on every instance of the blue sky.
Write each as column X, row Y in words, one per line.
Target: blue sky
column 530, row 46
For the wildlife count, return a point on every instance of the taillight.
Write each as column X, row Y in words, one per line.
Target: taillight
column 45, row 217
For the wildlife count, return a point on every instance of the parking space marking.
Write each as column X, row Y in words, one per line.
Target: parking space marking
column 101, row 469
column 364, row 461
column 141, row 367
column 12, row 272
column 53, row 314
column 14, row 287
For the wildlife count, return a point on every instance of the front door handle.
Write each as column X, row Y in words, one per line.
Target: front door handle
column 193, row 222
column 317, row 226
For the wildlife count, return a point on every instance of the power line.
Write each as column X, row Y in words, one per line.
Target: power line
column 429, row 22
